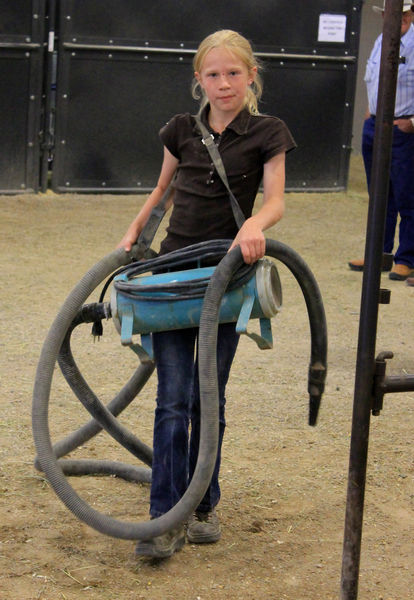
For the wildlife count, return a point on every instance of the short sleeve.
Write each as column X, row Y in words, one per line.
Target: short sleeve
column 174, row 132
column 278, row 139
column 169, row 135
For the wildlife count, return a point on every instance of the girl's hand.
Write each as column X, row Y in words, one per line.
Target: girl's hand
column 129, row 238
column 250, row 237
column 251, row 241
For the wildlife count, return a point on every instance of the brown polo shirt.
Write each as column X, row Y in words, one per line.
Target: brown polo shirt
column 202, row 209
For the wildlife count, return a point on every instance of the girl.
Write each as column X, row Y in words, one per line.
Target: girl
column 252, row 148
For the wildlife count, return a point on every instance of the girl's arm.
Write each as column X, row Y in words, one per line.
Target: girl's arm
column 169, row 166
column 250, row 237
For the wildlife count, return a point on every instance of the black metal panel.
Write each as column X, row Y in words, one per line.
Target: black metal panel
column 14, row 91
column 110, row 109
column 21, row 75
column 16, row 18
column 269, row 24
column 315, row 100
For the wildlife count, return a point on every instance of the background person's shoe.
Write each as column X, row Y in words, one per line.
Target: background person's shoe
column 410, row 280
column 163, row 545
column 401, row 272
column 203, row 528
column 358, row 265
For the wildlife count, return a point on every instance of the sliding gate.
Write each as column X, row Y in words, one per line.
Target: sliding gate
column 124, row 68
column 21, row 75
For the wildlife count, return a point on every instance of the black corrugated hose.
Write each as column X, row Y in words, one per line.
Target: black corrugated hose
column 57, row 344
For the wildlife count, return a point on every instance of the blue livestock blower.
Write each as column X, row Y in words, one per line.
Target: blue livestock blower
column 151, row 293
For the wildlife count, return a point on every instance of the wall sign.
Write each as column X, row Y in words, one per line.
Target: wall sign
column 332, row 28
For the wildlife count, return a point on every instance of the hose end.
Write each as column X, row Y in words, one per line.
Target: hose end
column 316, row 386
column 314, row 404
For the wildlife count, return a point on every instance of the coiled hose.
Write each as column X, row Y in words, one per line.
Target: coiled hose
column 103, row 417
column 57, row 344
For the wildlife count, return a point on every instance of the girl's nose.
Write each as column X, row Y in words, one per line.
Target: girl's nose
column 224, row 81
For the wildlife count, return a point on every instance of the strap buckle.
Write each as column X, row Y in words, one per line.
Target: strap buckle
column 206, row 140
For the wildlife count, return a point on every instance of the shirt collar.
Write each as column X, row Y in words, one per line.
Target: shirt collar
column 239, row 125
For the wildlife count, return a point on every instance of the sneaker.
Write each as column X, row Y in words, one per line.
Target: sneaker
column 203, row 528
column 163, row 545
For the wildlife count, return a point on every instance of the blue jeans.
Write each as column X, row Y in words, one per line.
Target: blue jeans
column 178, row 404
column 401, row 190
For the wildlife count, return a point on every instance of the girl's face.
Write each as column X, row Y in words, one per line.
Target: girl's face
column 225, row 78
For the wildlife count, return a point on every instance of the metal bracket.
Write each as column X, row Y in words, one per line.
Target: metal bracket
column 127, row 325
column 144, row 351
column 387, row 260
column 379, row 382
column 265, row 339
column 384, row 296
column 387, row 385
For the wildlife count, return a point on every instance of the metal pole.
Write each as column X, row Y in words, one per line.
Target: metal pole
column 47, row 135
column 365, row 365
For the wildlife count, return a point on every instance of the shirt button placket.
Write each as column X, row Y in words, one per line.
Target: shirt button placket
column 211, row 173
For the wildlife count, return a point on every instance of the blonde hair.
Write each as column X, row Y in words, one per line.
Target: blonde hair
column 238, row 45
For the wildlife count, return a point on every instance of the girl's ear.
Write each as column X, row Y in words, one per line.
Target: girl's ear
column 253, row 74
column 197, row 76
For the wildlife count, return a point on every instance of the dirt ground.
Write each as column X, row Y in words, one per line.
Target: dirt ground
column 283, row 482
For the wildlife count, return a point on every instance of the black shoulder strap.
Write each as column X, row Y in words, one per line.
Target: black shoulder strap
column 208, row 141
column 150, row 228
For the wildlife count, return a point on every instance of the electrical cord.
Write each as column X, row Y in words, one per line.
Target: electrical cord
column 210, row 252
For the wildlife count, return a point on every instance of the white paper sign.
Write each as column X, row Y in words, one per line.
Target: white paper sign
column 332, row 28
